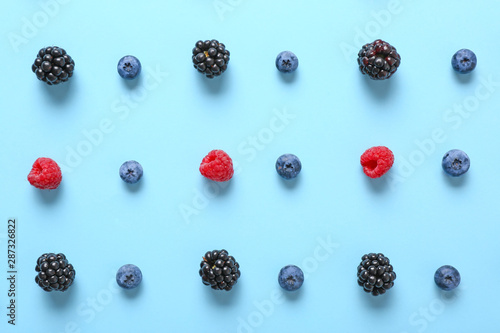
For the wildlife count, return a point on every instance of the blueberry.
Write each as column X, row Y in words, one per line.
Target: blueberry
column 455, row 163
column 291, row 278
column 129, row 276
column 129, row 67
column 287, row 62
column 131, row 172
column 447, row 277
column 464, row 61
column 288, row 166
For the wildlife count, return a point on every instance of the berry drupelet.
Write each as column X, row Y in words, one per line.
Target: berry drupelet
column 54, row 272
column 53, row 65
column 379, row 60
column 219, row 270
column 375, row 274
column 210, row 58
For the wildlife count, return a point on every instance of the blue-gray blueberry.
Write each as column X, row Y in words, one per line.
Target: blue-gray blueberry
column 129, row 67
column 287, row 62
column 455, row 163
column 447, row 277
column 129, row 276
column 291, row 278
column 464, row 61
column 131, row 172
column 288, row 166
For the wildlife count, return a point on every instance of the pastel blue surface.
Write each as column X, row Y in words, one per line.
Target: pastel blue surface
column 326, row 113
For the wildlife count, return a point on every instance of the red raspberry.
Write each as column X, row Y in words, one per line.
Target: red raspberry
column 217, row 166
column 45, row 174
column 376, row 161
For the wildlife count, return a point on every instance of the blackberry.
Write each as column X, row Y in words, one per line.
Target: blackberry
column 54, row 272
column 210, row 58
column 53, row 65
column 375, row 274
column 379, row 60
column 219, row 270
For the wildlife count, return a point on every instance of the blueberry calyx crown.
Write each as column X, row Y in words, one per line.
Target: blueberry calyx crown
column 127, row 66
column 457, row 164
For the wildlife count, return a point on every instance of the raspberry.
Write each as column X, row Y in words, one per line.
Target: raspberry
column 217, row 166
column 376, row 161
column 45, row 174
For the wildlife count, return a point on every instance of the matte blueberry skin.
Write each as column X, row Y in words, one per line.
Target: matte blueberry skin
column 129, row 276
column 455, row 163
column 464, row 61
column 291, row 278
column 447, row 277
column 287, row 62
column 131, row 172
column 129, row 67
column 288, row 166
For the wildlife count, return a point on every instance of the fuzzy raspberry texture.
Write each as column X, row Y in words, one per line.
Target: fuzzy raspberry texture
column 217, row 166
column 376, row 161
column 45, row 174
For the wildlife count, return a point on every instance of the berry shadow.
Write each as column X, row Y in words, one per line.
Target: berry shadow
column 134, row 187
column 289, row 183
column 447, row 296
column 63, row 300
column 216, row 189
column 377, row 185
column 293, row 296
column 132, row 84
column 379, row 89
column 288, row 77
column 463, row 78
column 216, row 85
column 61, row 93
column 377, row 302
column 222, row 297
column 459, row 181
column 132, row 293
column 49, row 197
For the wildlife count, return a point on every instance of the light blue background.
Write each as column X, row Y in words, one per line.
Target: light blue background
column 417, row 216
